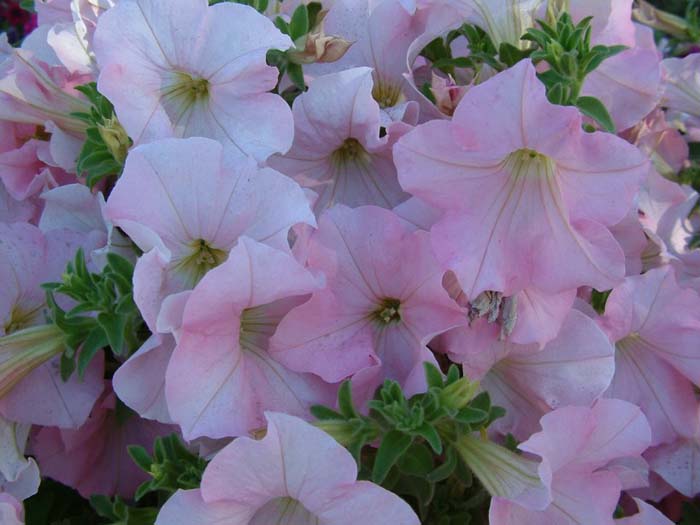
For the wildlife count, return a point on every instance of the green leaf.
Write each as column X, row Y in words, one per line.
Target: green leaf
column 430, row 434
column 471, row 416
column 324, row 413
column 417, row 461
column 345, row 404
column 113, row 326
column 299, row 24
column 95, row 341
column 433, row 376
column 393, row 446
column 141, row 457
column 594, row 108
column 67, row 366
column 445, row 470
column 296, row 75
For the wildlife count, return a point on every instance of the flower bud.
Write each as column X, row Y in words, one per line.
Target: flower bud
column 503, row 473
column 655, row 18
column 458, row 395
column 23, row 351
column 342, row 431
column 115, row 138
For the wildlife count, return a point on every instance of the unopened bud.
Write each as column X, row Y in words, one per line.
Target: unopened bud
column 458, row 395
column 649, row 15
column 115, row 138
column 447, row 94
column 25, row 350
column 342, row 431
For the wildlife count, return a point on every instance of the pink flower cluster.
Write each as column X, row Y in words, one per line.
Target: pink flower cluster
column 363, row 231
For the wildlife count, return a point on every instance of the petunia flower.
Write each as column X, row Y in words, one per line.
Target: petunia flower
column 647, row 515
column 382, row 304
column 681, row 91
column 577, row 446
column 185, row 202
column 575, row 368
column 194, row 70
column 221, row 376
column 381, row 33
column 93, row 458
column 337, row 150
column 655, row 326
column 11, row 510
column 528, row 199
column 296, row 475
column 19, row 476
column 677, row 462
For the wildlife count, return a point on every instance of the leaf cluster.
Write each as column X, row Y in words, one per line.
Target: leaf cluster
column 104, row 313
column 406, row 444
column 104, row 150
column 566, row 48
column 172, row 466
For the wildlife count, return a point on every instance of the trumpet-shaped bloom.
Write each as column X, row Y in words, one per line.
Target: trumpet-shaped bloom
column 194, row 70
column 656, row 327
column 297, row 474
column 528, row 199
column 93, row 458
column 577, row 446
column 647, row 515
column 681, row 91
column 573, row 369
column 381, row 33
column 190, row 201
column 337, row 151
column 383, row 301
column 221, row 377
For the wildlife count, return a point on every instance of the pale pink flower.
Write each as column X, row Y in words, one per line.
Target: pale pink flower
column 11, row 510
column 194, row 70
column 677, row 463
column 528, row 199
column 382, row 304
column 93, row 459
column 381, row 33
column 573, row 369
column 656, row 328
column 577, row 446
column 296, row 475
column 221, row 376
column 28, row 258
column 337, row 150
column 140, row 381
column 185, row 202
column 19, row 476
column 681, row 93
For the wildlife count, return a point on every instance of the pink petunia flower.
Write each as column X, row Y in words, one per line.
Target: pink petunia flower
column 383, row 301
column 221, row 376
column 573, row 369
column 528, row 199
column 194, row 70
column 295, row 475
column 185, row 202
column 337, row 150
column 655, row 325
column 578, row 446
column 93, row 459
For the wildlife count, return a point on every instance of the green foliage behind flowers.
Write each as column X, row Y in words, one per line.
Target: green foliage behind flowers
column 409, row 445
column 104, row 314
